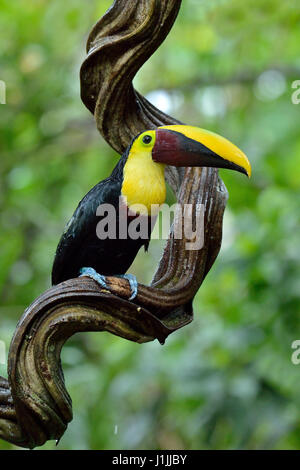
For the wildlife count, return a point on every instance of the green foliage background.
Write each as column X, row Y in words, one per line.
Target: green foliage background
column 227, row 380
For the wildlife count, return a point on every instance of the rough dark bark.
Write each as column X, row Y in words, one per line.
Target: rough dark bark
column 34, row 404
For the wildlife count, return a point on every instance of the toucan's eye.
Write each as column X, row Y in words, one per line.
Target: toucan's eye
column 147, row 139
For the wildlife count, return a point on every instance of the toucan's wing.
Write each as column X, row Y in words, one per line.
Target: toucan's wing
column 80, row 231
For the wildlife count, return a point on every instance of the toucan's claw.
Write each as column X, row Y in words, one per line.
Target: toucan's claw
column 91, row 272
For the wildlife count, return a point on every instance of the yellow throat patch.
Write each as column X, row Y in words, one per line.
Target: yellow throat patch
column 143, row 181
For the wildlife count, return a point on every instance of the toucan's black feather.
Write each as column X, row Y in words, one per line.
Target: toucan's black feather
column 79, row 245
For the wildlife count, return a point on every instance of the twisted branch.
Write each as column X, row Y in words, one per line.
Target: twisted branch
column 34, row 404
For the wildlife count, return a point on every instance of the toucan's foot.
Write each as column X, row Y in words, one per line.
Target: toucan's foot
column 132, row 282
column 91, row 272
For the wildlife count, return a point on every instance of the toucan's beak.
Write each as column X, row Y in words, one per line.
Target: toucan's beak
column 191, row 146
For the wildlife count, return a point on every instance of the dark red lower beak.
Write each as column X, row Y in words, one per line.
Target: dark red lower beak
column 174, row 148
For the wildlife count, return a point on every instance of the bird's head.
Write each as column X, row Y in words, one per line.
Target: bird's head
column 184, row 146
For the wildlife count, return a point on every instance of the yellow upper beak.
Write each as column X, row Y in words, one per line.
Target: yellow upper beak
column 214, row 146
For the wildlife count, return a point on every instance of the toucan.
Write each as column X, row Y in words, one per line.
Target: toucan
column 135, row 186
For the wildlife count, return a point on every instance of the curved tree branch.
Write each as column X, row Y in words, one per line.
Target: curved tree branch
column 34, row 404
